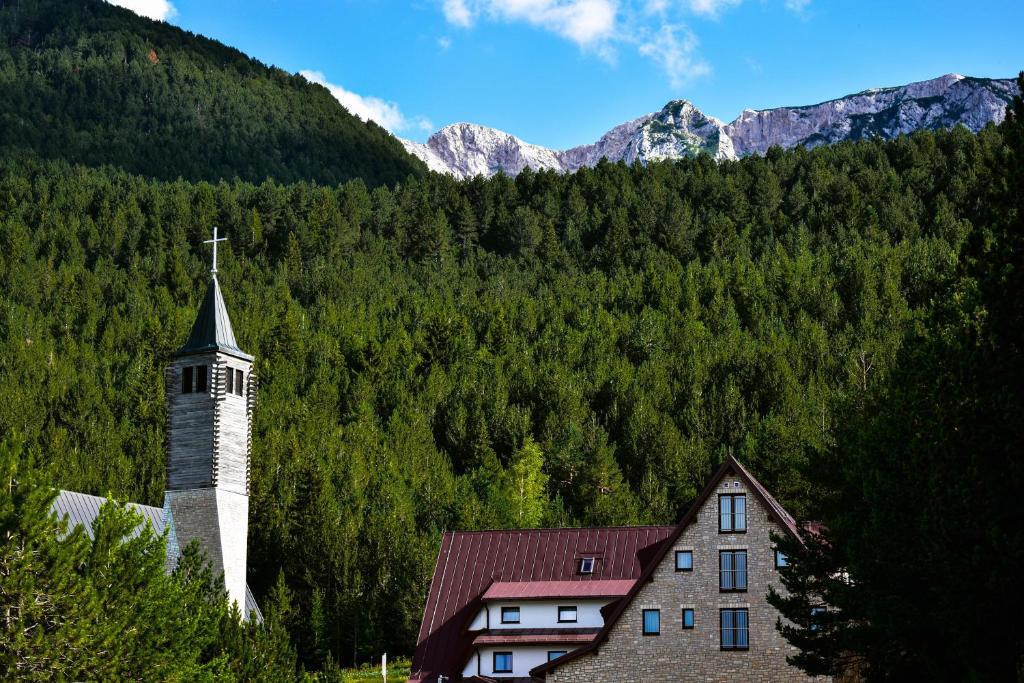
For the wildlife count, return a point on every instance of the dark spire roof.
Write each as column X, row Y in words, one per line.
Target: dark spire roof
column 212, row 328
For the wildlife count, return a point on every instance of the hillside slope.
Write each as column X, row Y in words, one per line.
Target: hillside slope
column 96, row 84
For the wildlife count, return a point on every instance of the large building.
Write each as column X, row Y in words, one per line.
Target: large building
column 211, row 392
column 676, row 603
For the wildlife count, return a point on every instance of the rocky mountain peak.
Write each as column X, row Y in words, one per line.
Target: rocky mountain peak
column 682, row 130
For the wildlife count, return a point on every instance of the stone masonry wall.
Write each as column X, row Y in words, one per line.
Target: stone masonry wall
column 695, row 655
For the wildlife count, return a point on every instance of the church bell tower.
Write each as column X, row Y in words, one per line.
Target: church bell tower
column 210, row 396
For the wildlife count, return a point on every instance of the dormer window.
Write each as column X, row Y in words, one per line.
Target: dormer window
column 587, row 565
column 186, row 380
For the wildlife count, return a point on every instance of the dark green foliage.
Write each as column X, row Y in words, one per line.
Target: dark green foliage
column 103, row 608
column 921, row 558
column 88, row 82
column 423, row 349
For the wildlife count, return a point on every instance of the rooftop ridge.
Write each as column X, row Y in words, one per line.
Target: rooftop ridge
column 560, row 528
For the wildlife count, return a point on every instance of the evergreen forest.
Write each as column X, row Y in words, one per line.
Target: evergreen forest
column 433, row 354
column 95, row 84
column 543, row 350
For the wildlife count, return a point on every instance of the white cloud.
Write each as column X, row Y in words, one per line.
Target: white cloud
column 674, row 49
column 384, row 113
column 712, row 8
column 656, row 29
column 457, row 12
column 588, row 23
column 444, row 42
column 161, row 10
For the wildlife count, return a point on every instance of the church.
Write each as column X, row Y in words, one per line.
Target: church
column 211, row 393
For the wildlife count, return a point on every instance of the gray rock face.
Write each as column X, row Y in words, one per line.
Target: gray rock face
column 942, row 102
column 681, row 130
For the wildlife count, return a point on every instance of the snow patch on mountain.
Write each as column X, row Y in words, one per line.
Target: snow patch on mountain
column 681, row 130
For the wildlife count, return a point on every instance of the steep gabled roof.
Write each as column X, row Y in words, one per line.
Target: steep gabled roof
column 469, row 562
column 212, row 329
column 775, row 511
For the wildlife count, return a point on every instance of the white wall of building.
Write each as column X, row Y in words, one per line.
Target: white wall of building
column 544, row 614
column 524, row 658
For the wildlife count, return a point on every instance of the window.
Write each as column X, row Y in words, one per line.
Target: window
column 732, row 570
column 510, row 615
column 687, row 618
column 652, row 622
column 734, row 629
column 186, row 380
column 780, row 559
column 815, row 622
column 587, row 565
column 684, row 560
column 732, row 513
column 567, row 614
column 229, row 384
column 238, row 382
column 502, row 662
column 555, row 654
column 200, row 379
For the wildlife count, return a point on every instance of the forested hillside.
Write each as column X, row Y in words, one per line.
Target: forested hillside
column 88, row 82
column 544, row 350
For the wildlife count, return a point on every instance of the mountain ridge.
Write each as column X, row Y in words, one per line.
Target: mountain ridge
column 682, row 130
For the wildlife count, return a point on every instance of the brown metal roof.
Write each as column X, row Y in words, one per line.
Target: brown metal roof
column 535, row 636
column 538, row 590
column 470, row 561
column 775, row 511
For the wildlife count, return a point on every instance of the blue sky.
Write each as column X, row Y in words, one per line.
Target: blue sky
column 562, row 72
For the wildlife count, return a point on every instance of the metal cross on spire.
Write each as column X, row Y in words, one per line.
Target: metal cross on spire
column 213, row 271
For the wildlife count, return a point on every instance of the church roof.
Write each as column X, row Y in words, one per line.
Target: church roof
column 81, row 509
column 212, row 329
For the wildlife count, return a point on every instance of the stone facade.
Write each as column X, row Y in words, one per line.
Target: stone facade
column 678, row 654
